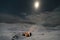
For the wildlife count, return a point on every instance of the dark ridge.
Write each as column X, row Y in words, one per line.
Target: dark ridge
column 11, row 22
column 50, row 25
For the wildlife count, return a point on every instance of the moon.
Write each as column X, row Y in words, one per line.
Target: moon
column 36, row 4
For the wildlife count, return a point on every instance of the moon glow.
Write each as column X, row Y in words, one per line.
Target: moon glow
column 36, row 4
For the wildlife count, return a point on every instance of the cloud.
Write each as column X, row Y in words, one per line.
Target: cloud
column 9, row 18
column 51, row 19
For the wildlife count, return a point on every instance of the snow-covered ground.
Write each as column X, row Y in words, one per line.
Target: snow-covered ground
column 8, row 30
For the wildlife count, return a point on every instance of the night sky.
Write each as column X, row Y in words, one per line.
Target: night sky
column 17, row 7
column 16, row 10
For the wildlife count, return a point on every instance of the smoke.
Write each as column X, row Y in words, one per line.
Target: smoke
column 33, row 28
